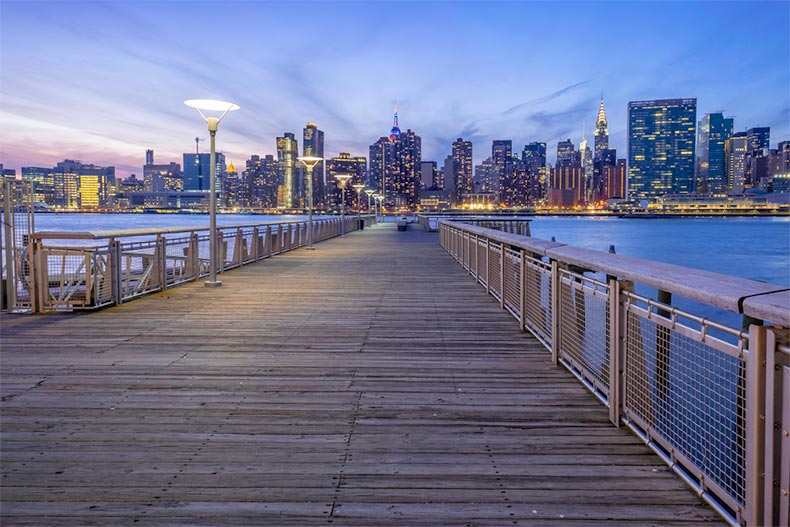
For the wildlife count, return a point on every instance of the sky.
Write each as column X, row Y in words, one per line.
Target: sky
column 102, row 81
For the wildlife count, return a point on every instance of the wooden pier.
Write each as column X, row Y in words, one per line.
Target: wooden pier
column 368, row 382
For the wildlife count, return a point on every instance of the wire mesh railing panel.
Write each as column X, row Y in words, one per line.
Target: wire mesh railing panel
column 511, row 282
column 102, row 277
column 495, row 270
column 65, row 278
column 686, row 390
column 178, row 260
column 537, row 311
column 482, row 261
column 139, row 269
column 584, row 329
column 204, row 253
column 18, row 226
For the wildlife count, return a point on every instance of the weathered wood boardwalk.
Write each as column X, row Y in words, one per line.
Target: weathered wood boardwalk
column 369, row 382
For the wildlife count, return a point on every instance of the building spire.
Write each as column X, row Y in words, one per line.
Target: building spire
column 601, row 122
column 395, row 132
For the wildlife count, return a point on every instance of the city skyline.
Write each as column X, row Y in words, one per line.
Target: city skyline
column 103, row 82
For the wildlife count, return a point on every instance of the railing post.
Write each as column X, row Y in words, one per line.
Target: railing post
column 193, row 256
column 256, row 244
column 555, row 312
column 114, row 261
column 755, row 425
column 502, row 275
column 488, row 265
column 522, row 272
column 613, row 320
column 160, row 259
column 267, row 250
column 222, row 250
column 41, row 273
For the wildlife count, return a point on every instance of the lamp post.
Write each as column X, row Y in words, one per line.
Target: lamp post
column 342, row 179
column 370, row 193
column 358, row 187
column 310, row 162
column 222, row 108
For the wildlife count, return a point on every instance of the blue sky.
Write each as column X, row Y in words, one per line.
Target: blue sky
column 103, row 81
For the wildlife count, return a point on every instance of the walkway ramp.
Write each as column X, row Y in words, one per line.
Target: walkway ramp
column 368, row 382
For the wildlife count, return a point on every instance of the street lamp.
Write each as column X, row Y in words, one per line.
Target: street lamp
column 342, row 179
column 358, row 187
column 310, row 162
column 222, row 108
column 370, row 193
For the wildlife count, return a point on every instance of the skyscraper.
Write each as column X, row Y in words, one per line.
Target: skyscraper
column 160, row 178
column 344, row 163
column 462, row 169
column 428, row 174
column 661, row 145
column 758, row 138
column 566, row 154
column 289, row 189
column 395, row 167
column 712, row 132
column 502, row 155
column 736, row 148
column 534, row 160
column 197, row 171
column 601, row 141
column 313, row 145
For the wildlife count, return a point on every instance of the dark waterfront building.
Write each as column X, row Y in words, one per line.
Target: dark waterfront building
column 313, row 145
column 615, row 178
column 161, row 178
column 759, row 138
column 262, row 178
column 428, row 174
column 462, row 169
column 661, row 146
column 197, row 171
column 407, row 189
column 289, row 191
column 344, row 163
column 566, row 154
column 43, row 183
column 713, row 131
column 502, row 157
column 566, row 186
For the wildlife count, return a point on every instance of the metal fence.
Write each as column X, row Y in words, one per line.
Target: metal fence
column 712, row 400
column 112, row 267
column 18, row 226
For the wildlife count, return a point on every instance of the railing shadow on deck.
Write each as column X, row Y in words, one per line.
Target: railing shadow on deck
column 712, row 400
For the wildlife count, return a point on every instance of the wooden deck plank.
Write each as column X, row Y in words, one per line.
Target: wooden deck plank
column 370, row 382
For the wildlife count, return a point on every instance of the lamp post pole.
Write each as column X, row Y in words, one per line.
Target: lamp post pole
column 370, row 193
column 358, row 187
column 310, row 162
column 342, row 179
column 213, row 124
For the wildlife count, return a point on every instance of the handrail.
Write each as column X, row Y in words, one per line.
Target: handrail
column 102, row 235
column 739, row 295
column 135, row 262
column 711, row 399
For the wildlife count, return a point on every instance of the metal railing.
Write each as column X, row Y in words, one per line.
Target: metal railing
column 89, row 270
column 712, row 400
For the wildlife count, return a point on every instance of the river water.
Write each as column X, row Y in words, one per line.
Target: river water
column 755, row 248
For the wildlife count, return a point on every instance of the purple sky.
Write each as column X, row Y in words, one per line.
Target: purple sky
column 103, row 81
